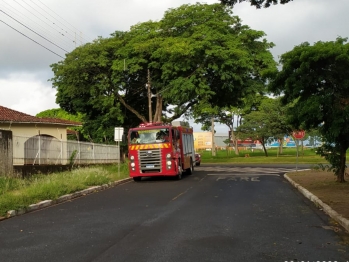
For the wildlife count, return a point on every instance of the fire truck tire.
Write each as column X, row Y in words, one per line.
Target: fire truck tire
column 137, row 178
column 190, row 170
column 180, row 170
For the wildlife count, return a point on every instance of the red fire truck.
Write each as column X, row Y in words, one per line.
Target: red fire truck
column 157, row 149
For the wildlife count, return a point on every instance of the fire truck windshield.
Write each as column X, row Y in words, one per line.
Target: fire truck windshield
column 149, row 136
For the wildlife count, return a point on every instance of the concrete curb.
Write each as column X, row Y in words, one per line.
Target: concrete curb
column 328, row 210
column 61, row 199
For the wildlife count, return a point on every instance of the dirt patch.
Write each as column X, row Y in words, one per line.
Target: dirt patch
column 323, row 185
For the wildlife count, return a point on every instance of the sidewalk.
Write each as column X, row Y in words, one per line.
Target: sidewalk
column 344, row 222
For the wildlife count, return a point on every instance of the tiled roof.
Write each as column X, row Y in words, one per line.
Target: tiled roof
column 8, row 115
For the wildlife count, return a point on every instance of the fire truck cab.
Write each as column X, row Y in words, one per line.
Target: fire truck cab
column 158, row 149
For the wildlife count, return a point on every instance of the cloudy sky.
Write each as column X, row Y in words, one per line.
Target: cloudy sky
column 37, row 33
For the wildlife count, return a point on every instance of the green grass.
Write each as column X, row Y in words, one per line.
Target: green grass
column 18, row 193
column 289, row 155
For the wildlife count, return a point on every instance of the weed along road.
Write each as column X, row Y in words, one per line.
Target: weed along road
column 219, row 213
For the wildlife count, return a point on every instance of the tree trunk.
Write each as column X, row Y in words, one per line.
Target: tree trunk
column 235, row 141
column 142, row 118
column 158, row 111
column 341, row 171
column 281, row 145
column 265, row 150
column 236, row 147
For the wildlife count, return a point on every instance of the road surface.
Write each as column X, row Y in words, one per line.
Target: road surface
column 219, row 213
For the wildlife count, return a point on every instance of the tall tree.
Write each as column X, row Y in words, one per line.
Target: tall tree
column 196, row 54
column 230, row 116
column 315, row 79
column 265, row 123
column 256, row 3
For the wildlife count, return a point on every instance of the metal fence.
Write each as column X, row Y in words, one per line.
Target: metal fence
column 47, row 150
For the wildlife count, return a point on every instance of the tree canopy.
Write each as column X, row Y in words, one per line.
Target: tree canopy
column 231, row 116
column 256, row 3
column 196, row 54
column 61, row 114
column 314, row 80
column 265, row 123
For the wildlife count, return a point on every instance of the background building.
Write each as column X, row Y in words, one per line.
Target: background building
column 203, row 140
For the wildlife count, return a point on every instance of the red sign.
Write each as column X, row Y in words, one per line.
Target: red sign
column 298, row 134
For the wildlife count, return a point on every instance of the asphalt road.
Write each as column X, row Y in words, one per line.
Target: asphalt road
column 220, row 213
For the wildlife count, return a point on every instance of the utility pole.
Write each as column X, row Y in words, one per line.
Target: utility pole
column 149, row 98
column 213, row 143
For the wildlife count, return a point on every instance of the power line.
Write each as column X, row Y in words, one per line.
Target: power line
column 64, row 30
column 63, row 20
column 16, row 12
column 44, row 17
column 42, row 20
column 41, row 24
column 61, row 30
column 32, row 39
column 34, row 31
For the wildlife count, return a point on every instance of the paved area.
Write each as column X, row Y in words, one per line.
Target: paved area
column 212, row 215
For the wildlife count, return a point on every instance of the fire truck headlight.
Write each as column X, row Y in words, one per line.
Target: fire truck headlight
column 168, row 156
column 168, row 163
column 133, row 164
column 132, row 157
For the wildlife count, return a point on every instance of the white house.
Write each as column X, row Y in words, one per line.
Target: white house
column 27, row 130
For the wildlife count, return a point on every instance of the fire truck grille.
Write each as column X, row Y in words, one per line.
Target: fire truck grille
column 150, row 160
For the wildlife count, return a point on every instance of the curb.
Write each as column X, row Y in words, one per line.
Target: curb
column 61, row 199
column 328, row 210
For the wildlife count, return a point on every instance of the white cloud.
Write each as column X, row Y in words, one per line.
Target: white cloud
column 24, row 93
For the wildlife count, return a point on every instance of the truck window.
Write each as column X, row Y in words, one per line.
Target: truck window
column 150, row 136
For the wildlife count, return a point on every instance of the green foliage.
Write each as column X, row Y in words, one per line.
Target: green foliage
column 265, row 122
column 231, row 116
column 10, row 184
column 72, row 157
column 196, row 54
column 226, row 141
column 83, row 86
column 18, row 193
column 330, row 153
column 315, row 83
column 62, row 114
column 256, row 3
column 226, row 116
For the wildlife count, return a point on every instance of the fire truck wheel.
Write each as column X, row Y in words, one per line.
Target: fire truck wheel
column 137, row 178
column 180, row 171
column 190, row 170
